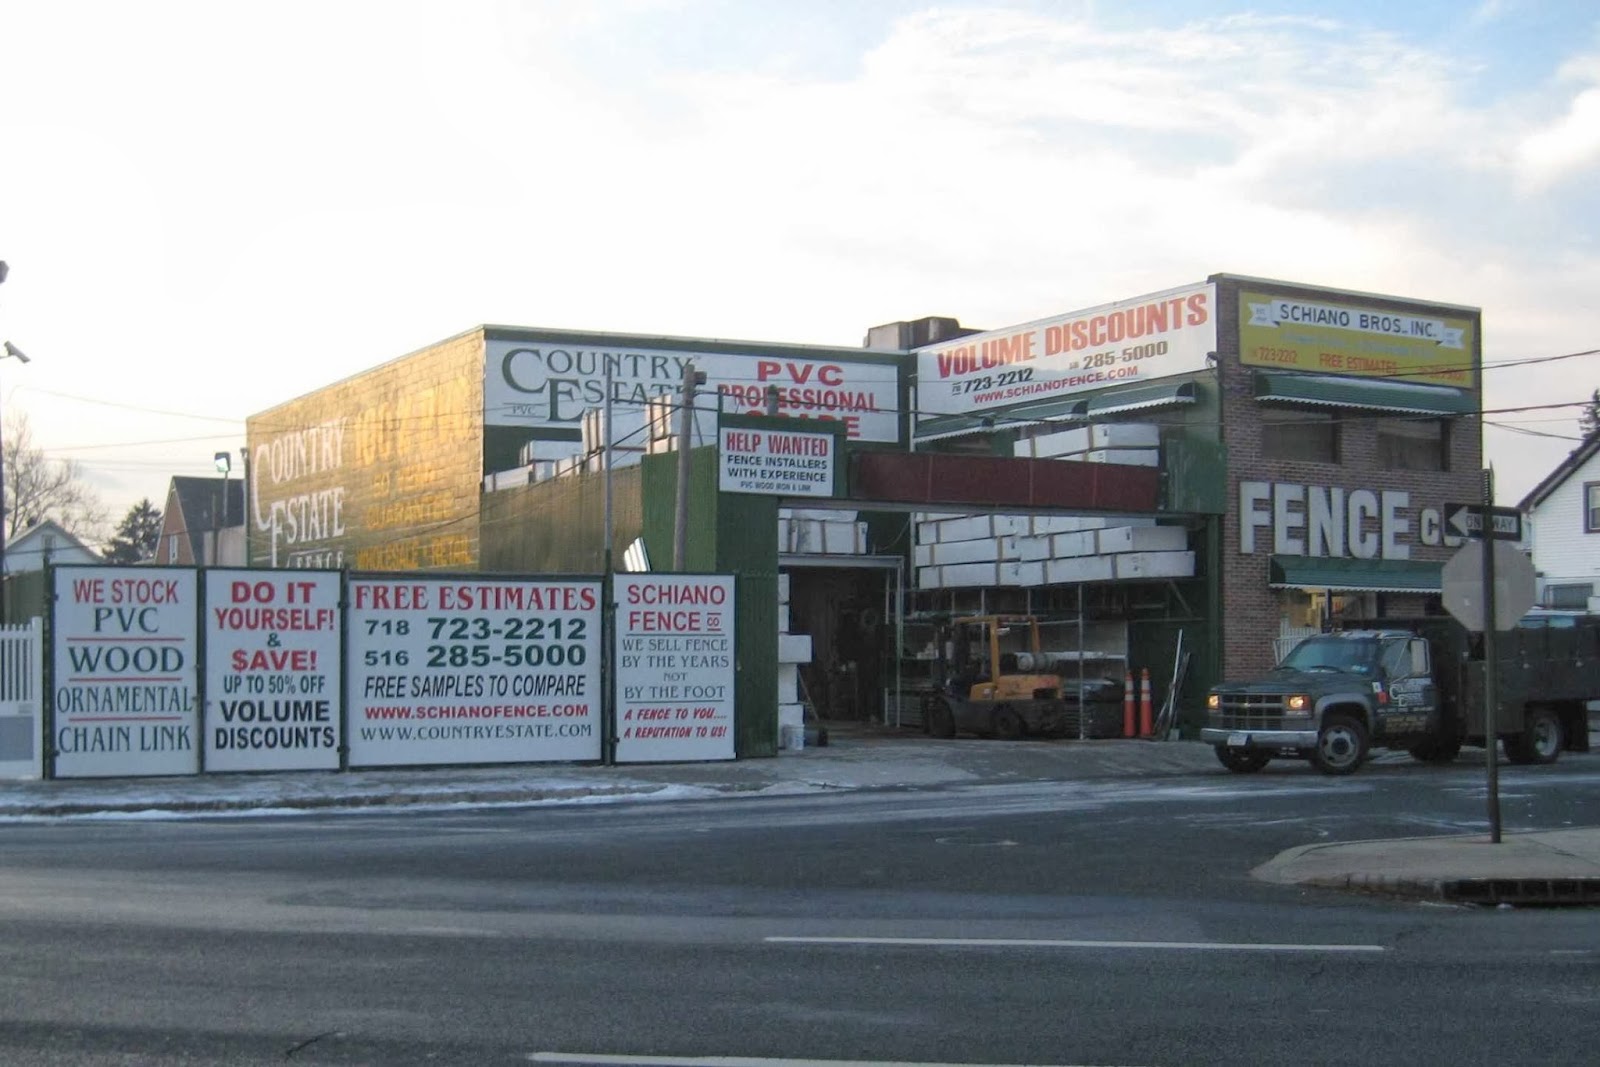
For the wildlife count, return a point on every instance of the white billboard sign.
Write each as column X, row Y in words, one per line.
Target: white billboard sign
column 674, row 667
column 473, row 670
column 776, row 462
column 544, row 385
column 272, row 670
column 125, row 699
column 1125, row 343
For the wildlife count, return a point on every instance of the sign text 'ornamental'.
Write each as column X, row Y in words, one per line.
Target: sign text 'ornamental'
column 125, row 699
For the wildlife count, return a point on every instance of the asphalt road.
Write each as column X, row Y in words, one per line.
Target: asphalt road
column 1105, row 923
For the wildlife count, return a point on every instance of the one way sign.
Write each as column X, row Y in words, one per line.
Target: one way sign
column 1467, row 520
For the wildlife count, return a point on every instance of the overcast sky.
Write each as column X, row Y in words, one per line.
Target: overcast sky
column 210, row 208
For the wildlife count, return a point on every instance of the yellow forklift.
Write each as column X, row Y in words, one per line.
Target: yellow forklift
column 992, row 693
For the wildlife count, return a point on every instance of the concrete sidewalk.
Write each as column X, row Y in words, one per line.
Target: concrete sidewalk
column 1555, row 867
column 1538, row 867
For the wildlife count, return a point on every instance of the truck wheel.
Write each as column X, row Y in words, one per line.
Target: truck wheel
column 1436, row 751
column 940, row 720
column 1242, row 760
column 1008, row 724
column 1341, row 746
column 1541, row 740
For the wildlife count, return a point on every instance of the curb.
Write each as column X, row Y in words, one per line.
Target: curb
column 1523, row 892
column 313, row 803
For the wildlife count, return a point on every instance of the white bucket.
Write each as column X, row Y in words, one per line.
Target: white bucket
column 792, row 737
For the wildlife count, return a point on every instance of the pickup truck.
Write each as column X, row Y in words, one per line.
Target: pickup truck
column 1420, row 688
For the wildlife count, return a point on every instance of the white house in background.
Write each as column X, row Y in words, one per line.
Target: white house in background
column 1563, row 516
column 46, row 542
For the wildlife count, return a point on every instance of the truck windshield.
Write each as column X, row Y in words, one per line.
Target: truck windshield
column 1333, row 654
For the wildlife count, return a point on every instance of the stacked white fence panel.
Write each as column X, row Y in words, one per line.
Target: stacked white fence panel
column 965, row 551
column 793, row 650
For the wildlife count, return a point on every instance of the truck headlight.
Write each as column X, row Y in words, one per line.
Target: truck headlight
column 1298, row 703
column 1213, row 701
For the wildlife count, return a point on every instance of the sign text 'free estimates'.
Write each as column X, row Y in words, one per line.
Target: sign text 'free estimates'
column 272, row 670
column 473, row 670
column 674, row 667
column 125, row 689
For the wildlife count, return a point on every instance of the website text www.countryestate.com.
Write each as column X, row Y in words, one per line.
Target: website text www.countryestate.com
column 518, row 731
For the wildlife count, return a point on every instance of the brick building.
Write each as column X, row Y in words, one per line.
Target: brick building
column 1304, row 440
column 1349, row 420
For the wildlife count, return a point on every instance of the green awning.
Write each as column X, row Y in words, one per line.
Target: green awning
column 1355, row 575
column 1375, row 394
column 1132, row 398
column 1108, row 402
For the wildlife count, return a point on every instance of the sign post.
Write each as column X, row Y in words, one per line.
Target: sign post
column 1501, row 603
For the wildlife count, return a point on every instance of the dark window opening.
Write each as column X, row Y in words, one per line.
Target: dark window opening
column 1413, row 444
column 1295, row 433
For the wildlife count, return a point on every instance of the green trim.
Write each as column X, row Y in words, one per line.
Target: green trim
column 1105, row 402
column 1155, row 394
column 1283, row 387
column 1364, row 575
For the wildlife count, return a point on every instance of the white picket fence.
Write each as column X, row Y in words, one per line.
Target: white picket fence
column 21, row 701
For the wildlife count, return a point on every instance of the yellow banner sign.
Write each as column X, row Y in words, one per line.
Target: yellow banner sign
column 1333, row 338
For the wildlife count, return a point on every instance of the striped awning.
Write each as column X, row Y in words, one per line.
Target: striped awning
column 1373, row 394
column 1354, row 575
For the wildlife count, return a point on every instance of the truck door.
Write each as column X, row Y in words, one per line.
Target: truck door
column 1413, row 706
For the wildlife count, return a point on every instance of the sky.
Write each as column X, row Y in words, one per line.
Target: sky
column 209, row 209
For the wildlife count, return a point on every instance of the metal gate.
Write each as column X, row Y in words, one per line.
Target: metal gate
column 21, row 701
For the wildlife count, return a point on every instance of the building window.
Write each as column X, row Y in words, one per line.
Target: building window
column 1573, row 595
column 172, row 548
column 1413, row 444
column 1591, row 507
column 1294, row 433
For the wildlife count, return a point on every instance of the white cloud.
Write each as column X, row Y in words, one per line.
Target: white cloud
column 1568, row 147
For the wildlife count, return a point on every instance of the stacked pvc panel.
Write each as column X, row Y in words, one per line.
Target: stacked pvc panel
column 954, row 551
column 820, row 532
column 793, row 650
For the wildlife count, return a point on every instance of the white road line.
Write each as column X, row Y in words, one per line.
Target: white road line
column 1007, row 942
column 749, row 1061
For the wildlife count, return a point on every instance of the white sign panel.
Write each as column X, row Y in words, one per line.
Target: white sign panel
column 674, row 667
column 549, row 385
column 776, row 462
column 1125, row 343
column 465, row 670
column 272, row 670
column 125, row 679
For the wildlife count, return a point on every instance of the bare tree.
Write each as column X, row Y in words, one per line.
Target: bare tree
column 39, row 488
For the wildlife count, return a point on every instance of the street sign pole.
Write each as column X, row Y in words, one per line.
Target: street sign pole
column 1491, row 695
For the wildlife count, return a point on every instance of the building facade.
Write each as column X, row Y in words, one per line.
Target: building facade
column 1298, row 445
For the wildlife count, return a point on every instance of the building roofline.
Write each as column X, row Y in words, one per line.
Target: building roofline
column 1561, row 472
column 673, row 342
